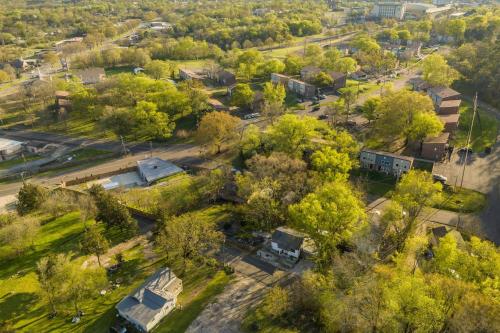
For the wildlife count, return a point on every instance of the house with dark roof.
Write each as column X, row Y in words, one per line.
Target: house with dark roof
column 450, row 122
column 440, row 94
column 287, row 242
column 152, row 169
column 189, row 75
column 152, row 301
column 309, row 73
column 339, row 80
column 223, row 77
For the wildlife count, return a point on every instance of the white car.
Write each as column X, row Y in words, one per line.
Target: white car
column 251, row 116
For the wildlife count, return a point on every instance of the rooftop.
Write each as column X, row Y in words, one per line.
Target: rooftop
column 450, row 103
column 384, row 153
column 7, row 143
column 147, row 301
column 442, row 138
column 155, row 168
column 444, row 92
column 336, row 75
column 287, row 238
column 450, row 118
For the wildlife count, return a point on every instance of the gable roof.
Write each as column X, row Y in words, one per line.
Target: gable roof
column 384, row 153
column 155, row 168
column 147, row 301
column 449, row 118
column 223, row 74
column 444, row 92
column 287, row 238
column 91, row 75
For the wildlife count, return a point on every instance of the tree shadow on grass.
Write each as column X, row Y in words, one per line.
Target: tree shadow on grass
column 13, row 305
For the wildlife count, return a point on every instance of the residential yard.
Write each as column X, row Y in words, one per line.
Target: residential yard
column 23, row 309
column 453, row 199
column 484, row 131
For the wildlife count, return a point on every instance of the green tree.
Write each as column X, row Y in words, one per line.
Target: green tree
column 369, row 108
column 271, row 66
column 334, row 110
column 345, row 65
column 424, row 125
column 274, row 94
column 51, row 273
column 216, row 128
column 330, row 216
column 151, row 123
column 456, row 29
column 397, row 111
column 293, row 64
column 437, row 72
column 242, row 95
column 158, row 69
column 276, row 302
column 94, row 242
column 323, row 80
column 189, row 236
column 291, row 134
column 404, row 35
column 30, row 198
column 349, row 96
column 331, row 164
column 331, row 57
column 111, row 212
column 250, row 141
column 20, row 234
column 313, row 54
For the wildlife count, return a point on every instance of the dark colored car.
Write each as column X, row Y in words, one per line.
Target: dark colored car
column 464, row 150
column 315, row 108
column 323, row 117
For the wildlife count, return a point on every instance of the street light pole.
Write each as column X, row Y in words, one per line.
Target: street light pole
column 468, row 140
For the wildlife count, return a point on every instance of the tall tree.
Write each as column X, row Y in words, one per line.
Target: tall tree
column 94, row 242
column 437, row 72
column 330, row 216
column 216, row 128
column 242, row 95
column 189, row 236
column 51, row 273
column 30, row 198
column 82, row 283
column 424, row 125
column 331, row 164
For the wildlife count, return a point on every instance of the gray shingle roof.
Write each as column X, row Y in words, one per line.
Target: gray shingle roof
column 148, row 300
column 287, row 239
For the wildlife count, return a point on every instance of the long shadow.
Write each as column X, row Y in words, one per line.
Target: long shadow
column 13, row 305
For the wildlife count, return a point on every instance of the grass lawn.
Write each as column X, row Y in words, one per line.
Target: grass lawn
column 16, row 161
column 22, row 308
column 197, row 64
column 119, row 70
column 86, row 153
column 78, row 126
column 364, row 86
column 193, row 301
column 462, row 200
column 484, row 132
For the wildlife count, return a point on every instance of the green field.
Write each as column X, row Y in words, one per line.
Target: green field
column 23, row 309
column 16, row 161
column 484, row 131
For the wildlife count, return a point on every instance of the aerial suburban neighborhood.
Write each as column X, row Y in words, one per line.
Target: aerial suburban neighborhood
column 211, row 166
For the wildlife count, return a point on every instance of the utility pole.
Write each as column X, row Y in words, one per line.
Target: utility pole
column 123, row 145
column 468, row 140
column 151, row 149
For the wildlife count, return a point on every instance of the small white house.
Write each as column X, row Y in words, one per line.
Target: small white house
column 287, row 242
column 151, row 302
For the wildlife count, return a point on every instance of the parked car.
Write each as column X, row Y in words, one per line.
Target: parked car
column 251, row 116
column 439, row 178
column 323, row 117
column 315, row 108
column 322, row 96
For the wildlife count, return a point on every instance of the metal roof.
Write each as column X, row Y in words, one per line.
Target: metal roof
column 155, row 168
column 287, row 239
column 7, row 144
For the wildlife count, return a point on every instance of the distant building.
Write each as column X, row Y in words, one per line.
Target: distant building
column 309, row 73
column 223, row 77
column 217, row 105
column 152, row 169
column 418, row 84
column 450, row 122
column 160, row 26
column 62, row 99
column 301, row 88
column 435, row 148
column 391, row 164
column 359, row 75
column 339, row 80
column 280, row 78
column 187, row 75
column 393, row 9
column 20, row 64
column 441, row 2
column 439, row 94
column 9, row 149
column 91, row 75
column 151, row 302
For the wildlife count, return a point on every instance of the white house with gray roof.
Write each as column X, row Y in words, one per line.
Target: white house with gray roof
column 152, row 169
column 151, row 302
